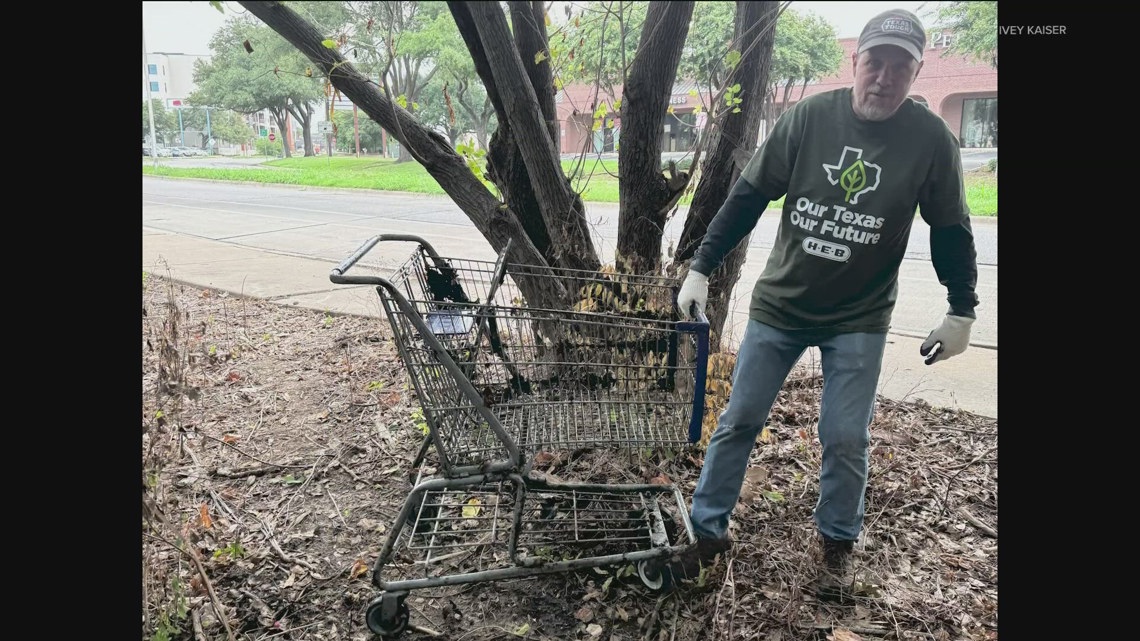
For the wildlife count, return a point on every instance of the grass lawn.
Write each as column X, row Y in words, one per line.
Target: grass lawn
column 595, row 179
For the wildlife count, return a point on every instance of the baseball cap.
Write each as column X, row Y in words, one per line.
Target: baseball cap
column 897, row 27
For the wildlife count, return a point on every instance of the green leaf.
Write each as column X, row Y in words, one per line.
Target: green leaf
column 539, row 57
column 217, row 5
column 558, row 84
column 290, row 480
column 328, row 43
column 736, row 110
column 773, row 496
column 736, row 87
column 693, row 93
column 731, row 59
column 522, row 630
column 402, row 101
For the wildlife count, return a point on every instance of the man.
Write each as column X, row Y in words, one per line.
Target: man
column 853, row 164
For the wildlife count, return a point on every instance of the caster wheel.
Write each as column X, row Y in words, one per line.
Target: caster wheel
column 654, row 575
column 388, row 616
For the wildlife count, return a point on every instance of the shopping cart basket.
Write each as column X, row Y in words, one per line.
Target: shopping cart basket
column 500, row 380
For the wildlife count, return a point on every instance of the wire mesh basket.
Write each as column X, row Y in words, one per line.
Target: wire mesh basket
column 510, row 360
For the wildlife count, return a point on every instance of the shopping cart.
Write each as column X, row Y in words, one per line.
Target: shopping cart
column 600, row 362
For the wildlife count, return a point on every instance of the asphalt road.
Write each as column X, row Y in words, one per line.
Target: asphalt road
column 329, row 224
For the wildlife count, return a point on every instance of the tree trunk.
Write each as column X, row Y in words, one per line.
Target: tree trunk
column 279, row 117
column 733, row 148
column 561, row 209
column 304, row 115
column 531, row 39
column 494, row 220
column 645, row 193
column 524, row 166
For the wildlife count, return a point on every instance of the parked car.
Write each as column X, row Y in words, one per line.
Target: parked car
column 187, row 152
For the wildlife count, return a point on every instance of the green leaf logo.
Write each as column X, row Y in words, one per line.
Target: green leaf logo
column 853, row 179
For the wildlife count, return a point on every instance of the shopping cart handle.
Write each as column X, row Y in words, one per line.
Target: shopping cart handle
column 338, row 273
column 698, row 314
column 699, row 327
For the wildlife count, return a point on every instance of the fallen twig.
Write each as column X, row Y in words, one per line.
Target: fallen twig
column 337, row 508
column 350, row 472
column 277, row 547
column 193, row 554
column 425, row 630
column 253, row 471
column 199, row 634
column 285, row 557
column 977, row 523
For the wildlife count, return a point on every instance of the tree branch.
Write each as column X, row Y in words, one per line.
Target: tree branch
column 494, row 220
column 529, row 23
column 643, row 189
column 561, row 210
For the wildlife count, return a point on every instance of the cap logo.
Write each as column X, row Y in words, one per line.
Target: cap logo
column 897, row 24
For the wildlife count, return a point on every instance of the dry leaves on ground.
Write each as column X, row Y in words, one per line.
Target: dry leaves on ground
column 277, row 444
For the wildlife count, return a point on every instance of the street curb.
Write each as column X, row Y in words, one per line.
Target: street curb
column 985, row 220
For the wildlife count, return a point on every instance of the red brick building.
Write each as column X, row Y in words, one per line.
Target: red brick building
column 962, row 91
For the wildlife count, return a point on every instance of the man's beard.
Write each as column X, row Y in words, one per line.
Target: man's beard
column 866, row 109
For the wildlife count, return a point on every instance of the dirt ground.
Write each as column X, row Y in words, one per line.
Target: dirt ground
column 276, row 450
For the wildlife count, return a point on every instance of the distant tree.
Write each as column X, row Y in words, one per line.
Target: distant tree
column 975, row 29
column 268, row 75
column 396, row 44
column 457, row 88
column 165, row 122
column 370, row 134
column 229, row 126
column 807, row 49
column 598, row 45
column 710, row 38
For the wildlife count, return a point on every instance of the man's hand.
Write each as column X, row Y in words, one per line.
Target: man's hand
column 695, row 289
column 951, row 338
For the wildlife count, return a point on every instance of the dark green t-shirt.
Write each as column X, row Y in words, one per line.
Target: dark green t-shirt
column 851, row 188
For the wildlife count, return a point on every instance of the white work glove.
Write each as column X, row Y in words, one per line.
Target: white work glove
column 952, row 338
column 695, row 289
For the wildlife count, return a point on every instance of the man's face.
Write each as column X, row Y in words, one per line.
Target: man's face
column 883, row 76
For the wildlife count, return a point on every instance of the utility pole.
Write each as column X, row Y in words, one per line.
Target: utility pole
column 356, row 129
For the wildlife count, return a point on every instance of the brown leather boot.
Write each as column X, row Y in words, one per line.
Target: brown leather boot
column 836, row 578
column 687, row 566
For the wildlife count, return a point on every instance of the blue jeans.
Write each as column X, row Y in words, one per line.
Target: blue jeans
column 851, row 366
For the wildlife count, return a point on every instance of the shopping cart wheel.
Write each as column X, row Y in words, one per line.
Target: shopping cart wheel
column 654, row 574
column 388, row 615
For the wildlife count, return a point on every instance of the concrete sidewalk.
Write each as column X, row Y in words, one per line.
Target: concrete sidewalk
column 967, row 381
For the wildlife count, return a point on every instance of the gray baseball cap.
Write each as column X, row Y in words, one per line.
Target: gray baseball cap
column 897, row 27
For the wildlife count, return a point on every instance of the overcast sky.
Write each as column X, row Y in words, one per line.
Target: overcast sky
column 186, row 27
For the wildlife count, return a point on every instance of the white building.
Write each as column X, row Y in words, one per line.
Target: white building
column 171, row 80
